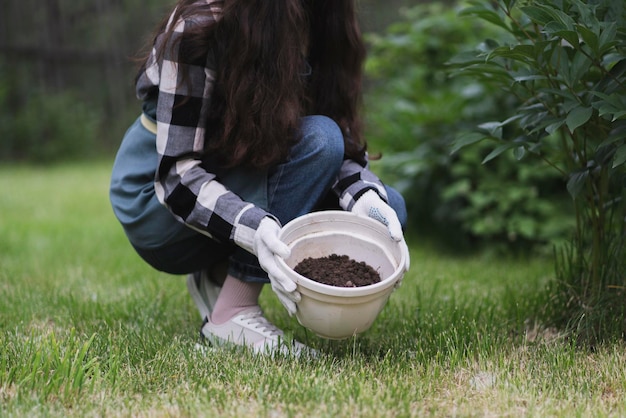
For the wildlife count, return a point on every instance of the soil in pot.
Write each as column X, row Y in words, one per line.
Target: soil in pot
column 338, row 270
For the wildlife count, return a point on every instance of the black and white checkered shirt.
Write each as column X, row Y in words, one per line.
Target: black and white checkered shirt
column 191, row 193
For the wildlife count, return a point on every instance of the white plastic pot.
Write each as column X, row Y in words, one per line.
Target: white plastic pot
column 341, row 312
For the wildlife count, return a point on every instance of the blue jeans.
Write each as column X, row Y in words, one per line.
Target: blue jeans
column 297, row 187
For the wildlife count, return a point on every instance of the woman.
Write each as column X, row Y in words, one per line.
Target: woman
column 250, row 119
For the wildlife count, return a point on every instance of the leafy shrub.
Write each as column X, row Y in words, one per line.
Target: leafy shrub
column 564, row 62
column 45, row 128
column 415, row 111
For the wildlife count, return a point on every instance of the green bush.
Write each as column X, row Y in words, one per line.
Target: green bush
column 46, row 128
column 415, row 112
column 564, row 63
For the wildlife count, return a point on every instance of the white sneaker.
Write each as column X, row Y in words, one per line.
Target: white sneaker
column 251, row 329
column 203, row 291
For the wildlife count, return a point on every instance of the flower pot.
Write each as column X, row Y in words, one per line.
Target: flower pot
column 341, row 312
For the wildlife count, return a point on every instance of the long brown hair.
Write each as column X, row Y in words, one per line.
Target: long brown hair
column 263, row 49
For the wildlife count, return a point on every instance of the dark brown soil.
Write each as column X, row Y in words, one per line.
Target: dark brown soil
column 338, row 270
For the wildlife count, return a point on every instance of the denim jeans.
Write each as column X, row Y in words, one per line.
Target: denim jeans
column 297, row 187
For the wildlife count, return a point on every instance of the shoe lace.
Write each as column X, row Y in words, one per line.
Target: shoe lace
column 256, row 320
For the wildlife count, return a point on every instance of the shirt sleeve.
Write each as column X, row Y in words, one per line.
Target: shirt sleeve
column 353, row 180
column 182, row 184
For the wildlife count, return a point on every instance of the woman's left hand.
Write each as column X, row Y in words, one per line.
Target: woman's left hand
column 372, row 206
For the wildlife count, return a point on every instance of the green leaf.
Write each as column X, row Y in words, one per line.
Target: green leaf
column 485, row 14
column 545, row 15
column 488, row 45
column 620, row 156
column 523, row 53
column 509, row 4
column 535, row 125
column 553, row 127
column 576, row 182
column 569, row 104
column 580, row 66
column 494, row 129
column 607, row 38
column 563, row 64
column 537, row 14
column 603, row 96
column 613, row 105
column 589, row 38
column 498, row 150
column 511, row 119
column 565, row 94
column 607, row 109
column 563, row 19
column 486, row 71
column 465, row 58
column 569, row 35
column 466, row 139
column 586, row 15
column 618, row 135
column 530, row 77
column 610, row 82
column 618, row 115
column 519, row 153
column 578, row 117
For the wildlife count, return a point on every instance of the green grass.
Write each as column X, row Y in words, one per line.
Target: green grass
column 87, row 329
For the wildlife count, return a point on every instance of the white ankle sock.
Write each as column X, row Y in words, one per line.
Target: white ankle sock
column 235, row 297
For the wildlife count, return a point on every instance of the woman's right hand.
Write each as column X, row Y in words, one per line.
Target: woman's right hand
column 266, row 246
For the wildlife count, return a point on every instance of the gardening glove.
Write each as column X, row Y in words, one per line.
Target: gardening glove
column 405, row 249
column 372, row 206
column 266, row 245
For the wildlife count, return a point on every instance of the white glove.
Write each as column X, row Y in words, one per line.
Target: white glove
column 405, row 249
column 371, row 205
column 266, row 244
column 408, row 255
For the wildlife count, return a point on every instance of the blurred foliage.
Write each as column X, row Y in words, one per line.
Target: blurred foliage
column 47, row 127
column 415, row 111
column 66, row 75
column 65, row 63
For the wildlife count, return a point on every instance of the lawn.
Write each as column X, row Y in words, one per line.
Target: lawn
column 87, row 329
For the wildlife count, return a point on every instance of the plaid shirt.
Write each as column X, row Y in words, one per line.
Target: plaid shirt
column 192, row 194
